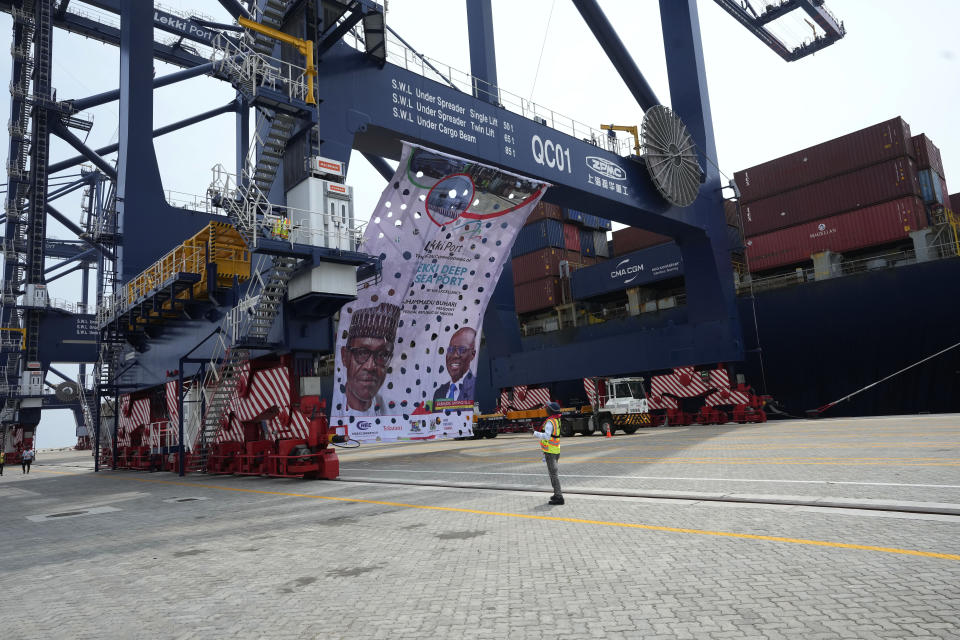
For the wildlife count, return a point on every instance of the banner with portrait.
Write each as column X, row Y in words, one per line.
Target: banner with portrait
column 406, row 351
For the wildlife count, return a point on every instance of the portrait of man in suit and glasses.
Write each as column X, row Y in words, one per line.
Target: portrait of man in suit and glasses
column 460, row 353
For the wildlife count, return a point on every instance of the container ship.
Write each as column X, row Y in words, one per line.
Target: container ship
column 842, row 253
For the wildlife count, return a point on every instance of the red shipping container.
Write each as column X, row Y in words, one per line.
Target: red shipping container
column 632, row 238
column 955, row 203
column 927, row 154
column 537, row 265
column 545, row 210
column 876, row 225
column 571, row 237
column 537, row 295
column 883, row 141
column 879, row 183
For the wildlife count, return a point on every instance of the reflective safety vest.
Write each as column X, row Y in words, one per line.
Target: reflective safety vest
column 281, row 228
column 551, row 444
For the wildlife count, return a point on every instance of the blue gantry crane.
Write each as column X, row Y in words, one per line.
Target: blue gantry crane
column 322, row 78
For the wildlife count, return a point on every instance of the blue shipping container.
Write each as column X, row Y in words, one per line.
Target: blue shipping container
column 539, row 235
column 635, row 269
column 586, row 243
column 930, row 187
column 604, row 224
column 573, row 215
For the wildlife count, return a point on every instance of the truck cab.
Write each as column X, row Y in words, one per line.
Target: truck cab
column 623, row 405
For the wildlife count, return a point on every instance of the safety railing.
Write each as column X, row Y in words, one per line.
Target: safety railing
column 403, row 56
column 889, row 260
column 67, row 305
column 181, row 260
column 13, row 338
column 251, row 72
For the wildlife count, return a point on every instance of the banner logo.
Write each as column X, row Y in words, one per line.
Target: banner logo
column 606, row 168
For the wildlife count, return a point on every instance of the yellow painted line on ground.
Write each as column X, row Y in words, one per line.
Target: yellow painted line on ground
column 603, row 523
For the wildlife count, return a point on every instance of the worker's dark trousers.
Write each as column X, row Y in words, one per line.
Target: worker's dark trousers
column 553, row 460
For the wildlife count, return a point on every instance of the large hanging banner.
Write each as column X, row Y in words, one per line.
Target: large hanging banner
column 406, row 347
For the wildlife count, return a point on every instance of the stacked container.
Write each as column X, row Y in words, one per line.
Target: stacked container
column 630, row 239
column 551, row 236
column 860, row 190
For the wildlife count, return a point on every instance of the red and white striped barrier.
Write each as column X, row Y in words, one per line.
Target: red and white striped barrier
column 523, row 399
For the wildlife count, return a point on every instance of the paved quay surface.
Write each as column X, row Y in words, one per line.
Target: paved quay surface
column 139, row 555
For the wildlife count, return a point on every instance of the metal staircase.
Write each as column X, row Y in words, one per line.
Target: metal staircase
column 247, row 326
column 271, row 15
column 271, row 151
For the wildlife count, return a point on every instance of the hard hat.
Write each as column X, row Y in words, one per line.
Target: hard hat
column 552, row 407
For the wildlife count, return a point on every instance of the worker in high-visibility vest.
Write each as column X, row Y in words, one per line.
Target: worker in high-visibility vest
column 549, row 436
column 281, row 228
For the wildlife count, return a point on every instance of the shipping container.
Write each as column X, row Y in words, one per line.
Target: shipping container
column 571, row 236
column 927, row 154
column 537, row 265
column 871, row 226
column 955, row 203
column 539, row 235
column 634, row 269
column 587, row 247
column 632, row 238
column 545, row 211
column 574, row 215
column 600, row 247
column 932, row 187
column 875, row 144
column 881, row 182
column 537, row 295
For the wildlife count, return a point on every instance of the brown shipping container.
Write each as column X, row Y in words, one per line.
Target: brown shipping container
column 537, row 265
column 632, row 238
column 544, row 210
column 880, row 224
column 955, row 203
column 927, row 154
column 890, row 139
column 537, row 295
column 879, row 183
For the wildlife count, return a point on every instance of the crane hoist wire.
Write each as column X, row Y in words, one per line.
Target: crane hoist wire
column 543, row 46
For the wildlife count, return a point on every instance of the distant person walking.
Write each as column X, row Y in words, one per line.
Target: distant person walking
column 549, row 436
column 26, row 460
column 3, row 461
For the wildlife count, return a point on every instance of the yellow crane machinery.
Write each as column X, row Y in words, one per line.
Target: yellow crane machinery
column 305, row 47
column 218, row 243
column 634, row 131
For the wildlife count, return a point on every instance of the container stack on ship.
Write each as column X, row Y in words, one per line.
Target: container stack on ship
column 839, row 252
column 867, row 193
column 554, row 243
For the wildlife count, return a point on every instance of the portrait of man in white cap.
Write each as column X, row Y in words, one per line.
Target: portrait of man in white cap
column 366, row 357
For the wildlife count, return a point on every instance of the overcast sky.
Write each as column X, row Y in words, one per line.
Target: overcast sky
column 898, row 59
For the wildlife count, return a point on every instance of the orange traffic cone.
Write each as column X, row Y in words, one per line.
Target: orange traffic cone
column 609, row 434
